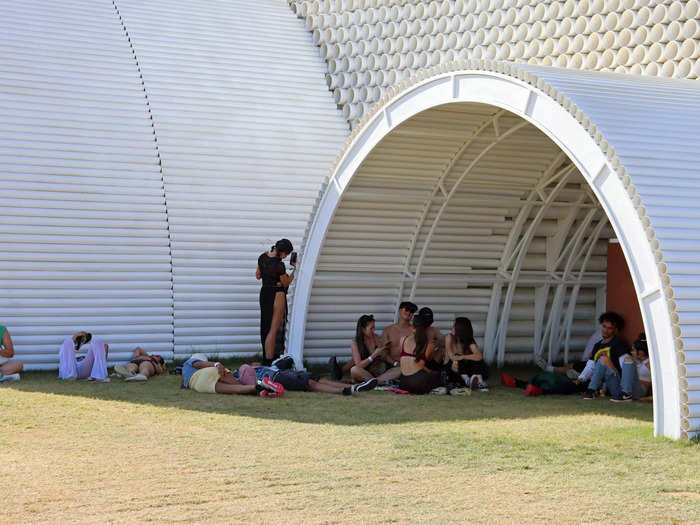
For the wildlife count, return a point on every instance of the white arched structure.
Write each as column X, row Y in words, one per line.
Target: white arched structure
column 632, row 139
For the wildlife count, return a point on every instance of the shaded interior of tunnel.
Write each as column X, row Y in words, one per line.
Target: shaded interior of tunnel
column 471, row 210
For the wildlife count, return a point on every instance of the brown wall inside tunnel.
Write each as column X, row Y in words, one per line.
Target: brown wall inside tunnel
column 621, row 296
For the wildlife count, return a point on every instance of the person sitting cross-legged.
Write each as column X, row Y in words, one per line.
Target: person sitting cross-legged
column 142, row 366
column 467, row 362
column 416, row 351
column 92, row 367
column 282, row 371
column 9, row 368
column 370, row 356
column 201, row 375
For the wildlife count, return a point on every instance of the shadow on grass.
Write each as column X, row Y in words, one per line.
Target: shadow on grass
column 370, row 408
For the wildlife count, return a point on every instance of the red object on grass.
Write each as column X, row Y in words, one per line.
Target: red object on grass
column 507, row 380
column 533, row 390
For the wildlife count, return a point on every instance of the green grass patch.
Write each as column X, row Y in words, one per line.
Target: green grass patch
column 151, row 452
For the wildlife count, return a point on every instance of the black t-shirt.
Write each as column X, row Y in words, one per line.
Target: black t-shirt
column 617, row 348
column 271, row 268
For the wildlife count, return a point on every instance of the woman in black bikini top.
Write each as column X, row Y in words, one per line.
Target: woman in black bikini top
column 273, row 297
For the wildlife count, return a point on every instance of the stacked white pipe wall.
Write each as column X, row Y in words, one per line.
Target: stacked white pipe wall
column 85, row 236
column 246, row 131
column 362, row 38
column 149, row 152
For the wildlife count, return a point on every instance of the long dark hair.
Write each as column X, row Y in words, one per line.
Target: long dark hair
column 283, row 245
column 464, row 333
column 421, row 324
column 362, row 323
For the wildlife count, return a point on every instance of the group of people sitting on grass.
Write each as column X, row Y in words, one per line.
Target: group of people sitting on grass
column 609, row 366
column 414, row 356
column 410, row 356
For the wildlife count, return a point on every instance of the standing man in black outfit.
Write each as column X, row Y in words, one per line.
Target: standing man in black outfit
column 273, row 295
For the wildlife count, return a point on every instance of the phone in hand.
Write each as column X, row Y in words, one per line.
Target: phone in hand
column 293, row 258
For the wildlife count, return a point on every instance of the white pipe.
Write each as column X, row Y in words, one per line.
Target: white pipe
column 636, row 69
column 546, row 47
column 640, row 55
column 536, row 31
column 592, row 60
column 609, row 41
column 676, row 11
column 659, row 14
column 561, row 61
column 592, row 43
column 668, row 69
column 689, row 49
column 576, row 61
column 522, row 32
column 510, row 16
column 690, row 29
column 493, row 35
column 442, row 24
column 577, row 44
column 607, row 59
column 596, row 23
column 685, row 67
column 691, row 9
column 563, row 46
column 525, row 14
column 351, row 111
column 672, row 51
column 517, row 51
column 656, row 51
column 624, row 37
column 651, row 69
column 624, row 57
column 547, row 61
column 495, row 18
column 479, row 37
column 640, row 36
column 613, row 22
column 567, row 9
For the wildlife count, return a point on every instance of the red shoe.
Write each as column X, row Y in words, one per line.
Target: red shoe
column 267, row 393
column 533, row 390
column 271, row 386
column 507, row 380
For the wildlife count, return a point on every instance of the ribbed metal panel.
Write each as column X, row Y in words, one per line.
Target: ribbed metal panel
column 85, row 243
column 247, row 131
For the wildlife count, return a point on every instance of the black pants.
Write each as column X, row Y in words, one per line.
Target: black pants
column 267, row 308
column 421, row 382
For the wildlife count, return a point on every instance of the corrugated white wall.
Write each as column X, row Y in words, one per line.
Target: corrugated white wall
column 247, row 132
column 84, row 229
column 375, row 244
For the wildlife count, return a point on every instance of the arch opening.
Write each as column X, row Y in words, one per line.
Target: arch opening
column 478, row 194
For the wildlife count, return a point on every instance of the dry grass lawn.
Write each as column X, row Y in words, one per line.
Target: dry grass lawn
column 150, row 452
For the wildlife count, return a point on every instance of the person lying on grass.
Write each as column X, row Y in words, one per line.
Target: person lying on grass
column 209, row 377
column 282, row 371
column 92, row 367
column 545, row 383
column 142, row 366
column 9, row 368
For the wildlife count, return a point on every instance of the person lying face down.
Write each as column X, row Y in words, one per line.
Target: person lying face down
column 9, row 368
column 142, row 366
column 93, row 367
column 201, row 375
column 282, row 371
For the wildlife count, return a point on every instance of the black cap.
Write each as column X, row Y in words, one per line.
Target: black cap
column 408, row 305
column 427, row 314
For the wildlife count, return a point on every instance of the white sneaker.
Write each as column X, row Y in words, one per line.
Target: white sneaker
column 9, row 377
column 96, row 380
column 137, row 377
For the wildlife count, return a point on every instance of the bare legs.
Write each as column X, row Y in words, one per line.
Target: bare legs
column 361, row 374
column 227, row 384
column 327, row 386
column 279, row 308
column 11, row 367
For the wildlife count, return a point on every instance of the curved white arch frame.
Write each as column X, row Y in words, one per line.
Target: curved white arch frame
column 545, row 113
